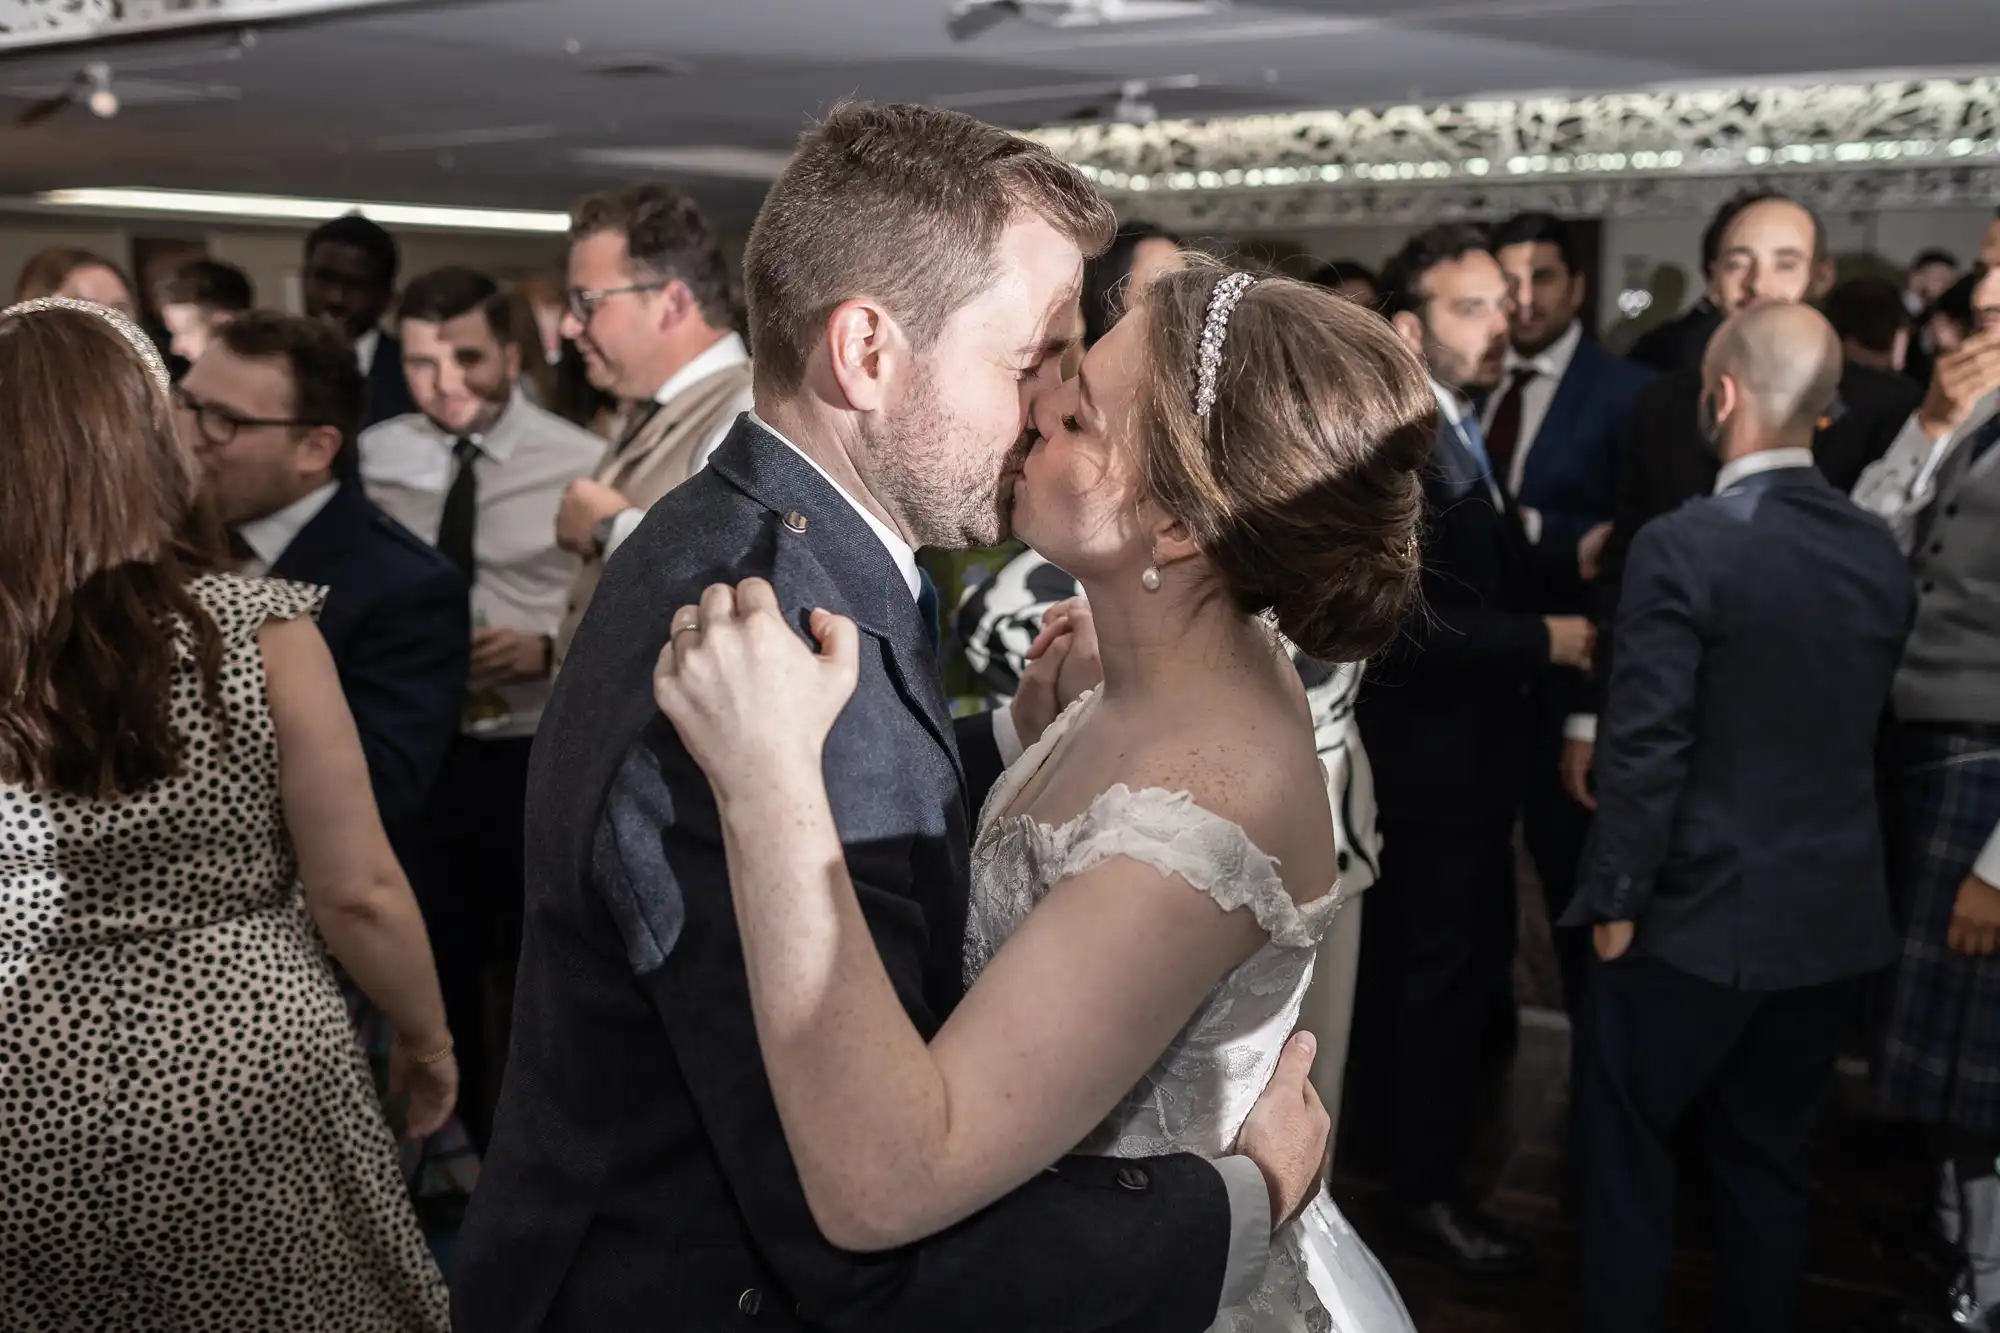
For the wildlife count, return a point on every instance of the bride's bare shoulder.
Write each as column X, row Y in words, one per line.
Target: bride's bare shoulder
column 1256, row 767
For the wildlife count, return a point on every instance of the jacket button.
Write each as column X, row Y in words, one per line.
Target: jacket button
column 1951, row 510
column 1929, row 586
column 795, row 520
column 750, row 1302
column 1937, row 548
column 1134, row 1178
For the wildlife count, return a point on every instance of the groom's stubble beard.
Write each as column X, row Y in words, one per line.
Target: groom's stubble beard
column 946, row 485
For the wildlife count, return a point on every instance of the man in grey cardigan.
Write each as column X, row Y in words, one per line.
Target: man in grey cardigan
column 1939, row 486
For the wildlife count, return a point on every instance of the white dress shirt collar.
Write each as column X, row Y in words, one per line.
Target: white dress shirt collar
column 1552, row 361
column 723, row 353
column 1768, row 460
column 271, row 536
column 1454, row 409
column 900, row 551
column 364, row 349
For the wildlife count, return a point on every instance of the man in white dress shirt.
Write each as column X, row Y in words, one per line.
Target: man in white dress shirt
column 478, row 471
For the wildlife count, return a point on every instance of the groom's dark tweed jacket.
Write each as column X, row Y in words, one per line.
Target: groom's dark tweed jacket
column 638, row 1177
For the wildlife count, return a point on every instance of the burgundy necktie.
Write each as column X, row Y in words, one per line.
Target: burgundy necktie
column 1505, row 432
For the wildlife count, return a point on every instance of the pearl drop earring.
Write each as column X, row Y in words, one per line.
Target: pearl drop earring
column 1149, row 577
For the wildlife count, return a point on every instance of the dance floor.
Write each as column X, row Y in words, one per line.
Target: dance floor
column 1863, row 1170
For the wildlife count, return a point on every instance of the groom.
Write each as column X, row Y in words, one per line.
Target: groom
column 913, row 278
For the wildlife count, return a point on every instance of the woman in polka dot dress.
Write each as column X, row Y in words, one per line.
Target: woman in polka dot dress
column 189, row 1139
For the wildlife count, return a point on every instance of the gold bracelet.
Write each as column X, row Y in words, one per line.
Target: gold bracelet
column 437, row 1055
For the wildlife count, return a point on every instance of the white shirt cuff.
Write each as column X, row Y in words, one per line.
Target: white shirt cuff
column 1249, row 1229
column 1531, row 523
column 1006, row 736
column 1987, row 867
column 623, row 525
column 1580, row 727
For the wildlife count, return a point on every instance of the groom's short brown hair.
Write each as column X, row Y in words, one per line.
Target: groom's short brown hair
column 903, row 204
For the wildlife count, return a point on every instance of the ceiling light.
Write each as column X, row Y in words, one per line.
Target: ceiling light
column 272, row 207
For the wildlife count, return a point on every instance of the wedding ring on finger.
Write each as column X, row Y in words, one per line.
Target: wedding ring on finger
column 686, row 619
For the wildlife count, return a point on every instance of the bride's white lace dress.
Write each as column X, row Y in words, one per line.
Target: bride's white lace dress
column 1196, row 1097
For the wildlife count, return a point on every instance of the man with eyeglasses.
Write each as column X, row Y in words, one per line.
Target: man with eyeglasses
column 650, row 310
column 271, row 411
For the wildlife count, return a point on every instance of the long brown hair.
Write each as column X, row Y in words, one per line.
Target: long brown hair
column 100, row 528
column 47, row 270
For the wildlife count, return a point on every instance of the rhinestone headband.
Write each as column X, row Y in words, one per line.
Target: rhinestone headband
column 1214, row 328
column 130, row 332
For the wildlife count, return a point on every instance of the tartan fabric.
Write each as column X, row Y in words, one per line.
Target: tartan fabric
column 1940, row 1058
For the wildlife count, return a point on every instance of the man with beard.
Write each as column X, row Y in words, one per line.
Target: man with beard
column 1769, row 251
column 1446, row 717
column 478, row 472
column 649, row 309
column 913, row 278
column 350, row 282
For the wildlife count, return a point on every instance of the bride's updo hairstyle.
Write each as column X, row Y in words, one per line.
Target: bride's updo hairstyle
column 1300, row 483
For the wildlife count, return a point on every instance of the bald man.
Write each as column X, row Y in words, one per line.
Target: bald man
column 1734, row 874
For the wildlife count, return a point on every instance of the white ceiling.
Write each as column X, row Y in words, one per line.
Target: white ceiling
column 502, row 102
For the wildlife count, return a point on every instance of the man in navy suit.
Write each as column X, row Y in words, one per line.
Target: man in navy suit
column 1555, row 431
column 350, row 282
column 638, row 1176
column 1735, row 875
column 1446, row 716
column 271, row 410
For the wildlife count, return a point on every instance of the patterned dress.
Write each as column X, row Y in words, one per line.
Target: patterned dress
column 189, row 1139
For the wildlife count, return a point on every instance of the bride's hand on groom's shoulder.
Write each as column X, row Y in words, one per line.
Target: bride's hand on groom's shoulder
column 747, row 696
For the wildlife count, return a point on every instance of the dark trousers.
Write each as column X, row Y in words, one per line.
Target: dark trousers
column 1434, row 985
column 1555, row 829
column 470, row 888
column 1756, row 1067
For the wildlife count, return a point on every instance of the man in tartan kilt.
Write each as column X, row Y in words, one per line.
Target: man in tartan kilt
column 1939, row 486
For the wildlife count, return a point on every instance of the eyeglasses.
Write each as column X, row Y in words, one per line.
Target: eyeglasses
column 583, row 304
column 218, row 425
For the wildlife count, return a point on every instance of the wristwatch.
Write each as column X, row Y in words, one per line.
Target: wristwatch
column 600, row 534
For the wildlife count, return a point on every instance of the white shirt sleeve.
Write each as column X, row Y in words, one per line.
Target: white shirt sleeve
column 623, row 525
column 1902, row 482
column 1987, row 867
column 1531, row 523
column 1006, row 736
column 1249, row 1229
column 1580, row 727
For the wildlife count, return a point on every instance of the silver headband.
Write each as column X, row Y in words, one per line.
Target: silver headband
column 129, row 331
column 1214, row 328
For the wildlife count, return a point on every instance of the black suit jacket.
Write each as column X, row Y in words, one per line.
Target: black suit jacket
column 388, row 390
column 638, row 1176
column 1758, row 637
column 1667, row 463
column 1445, row 714
column 398, row 623
column 1679, row 343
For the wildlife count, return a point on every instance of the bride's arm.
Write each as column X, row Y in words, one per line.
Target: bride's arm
column 896, row 1140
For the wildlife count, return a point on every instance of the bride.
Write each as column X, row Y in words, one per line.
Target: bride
column 1150, row 880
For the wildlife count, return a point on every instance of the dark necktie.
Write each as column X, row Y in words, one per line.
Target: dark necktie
column 461, row 508
column 1505, row 432
column 927, row 607
column 641, row 418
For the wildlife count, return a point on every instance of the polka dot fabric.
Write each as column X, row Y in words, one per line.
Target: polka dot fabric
column 189, row 1139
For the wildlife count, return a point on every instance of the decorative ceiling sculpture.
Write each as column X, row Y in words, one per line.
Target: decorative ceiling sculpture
column 27, row 24
column 1919, row 141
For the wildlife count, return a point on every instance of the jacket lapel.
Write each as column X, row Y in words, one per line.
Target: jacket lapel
column 324, row 542
column 866, row 579
column 1573, row 390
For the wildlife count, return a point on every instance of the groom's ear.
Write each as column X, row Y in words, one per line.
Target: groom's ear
column 866, row 351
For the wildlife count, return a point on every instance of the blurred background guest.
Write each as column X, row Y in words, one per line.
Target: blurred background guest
column 1929, row 276
column 651, row 309
column 187, row 816
column 1734, row 877
column 1137, row 253
column 478, row 471
column 199, row 298
column 350, row 282
column 1352, row 279
column 1939, row 486
column 1873, row 324
column 82, row 274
